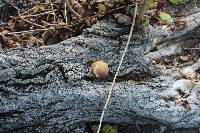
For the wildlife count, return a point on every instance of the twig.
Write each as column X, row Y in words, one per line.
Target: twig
column 191, row 48
column 33, row 23
column 78, row 4
column 30, row 31
column 71, row 9
column 36, row 15
column 66, row 14
column 71, row 25
column 54, row 14
column 100, row 13
column 26, row 12
column 41, row 30
column 48, row 24
column 116, row 74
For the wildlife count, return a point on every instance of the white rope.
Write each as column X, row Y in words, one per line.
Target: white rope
column 116, row 74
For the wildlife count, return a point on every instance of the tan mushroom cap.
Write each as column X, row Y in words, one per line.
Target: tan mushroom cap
column 99, row 69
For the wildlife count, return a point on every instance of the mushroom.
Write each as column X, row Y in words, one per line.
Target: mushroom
column 99, row 69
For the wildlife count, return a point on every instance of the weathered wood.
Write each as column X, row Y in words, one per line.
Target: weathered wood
column 50, row 89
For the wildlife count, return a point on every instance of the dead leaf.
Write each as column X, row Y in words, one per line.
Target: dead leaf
column 38, row 8
column 123, row 19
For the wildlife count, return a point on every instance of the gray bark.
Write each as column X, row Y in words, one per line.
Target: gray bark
column 51, row 89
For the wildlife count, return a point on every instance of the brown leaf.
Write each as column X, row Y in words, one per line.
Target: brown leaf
column 8, row 40
column 11, row 24
column 123, row 19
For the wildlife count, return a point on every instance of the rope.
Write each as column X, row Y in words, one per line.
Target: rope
column 119, row 66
